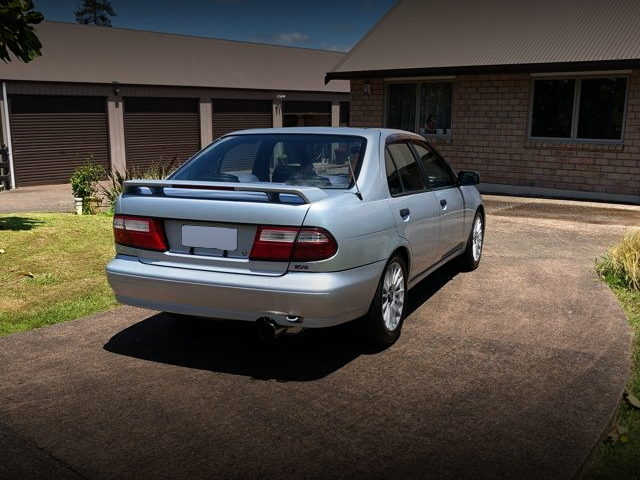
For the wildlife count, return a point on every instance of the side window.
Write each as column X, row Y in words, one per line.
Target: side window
column 439, row 175
column 408, row 169
column 393, row 177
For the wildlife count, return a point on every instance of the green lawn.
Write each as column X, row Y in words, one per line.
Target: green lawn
column 622, row 459
column 52, row 268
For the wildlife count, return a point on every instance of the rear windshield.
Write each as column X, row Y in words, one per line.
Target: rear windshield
column 313, row 160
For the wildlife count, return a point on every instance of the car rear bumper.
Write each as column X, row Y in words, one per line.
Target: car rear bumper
column 321, row 299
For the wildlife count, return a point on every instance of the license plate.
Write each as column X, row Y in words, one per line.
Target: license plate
column 209, row 237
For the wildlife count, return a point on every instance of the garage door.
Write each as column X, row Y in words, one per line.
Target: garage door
column 306, row 114
column 160, row 131
column 52, row 135
column 345, row 114
column 231, row 115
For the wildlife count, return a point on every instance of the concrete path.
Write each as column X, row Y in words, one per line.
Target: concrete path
column 45, row 198
column 513, row 370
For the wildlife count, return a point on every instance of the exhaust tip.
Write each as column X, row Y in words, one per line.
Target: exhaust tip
column 268, row 330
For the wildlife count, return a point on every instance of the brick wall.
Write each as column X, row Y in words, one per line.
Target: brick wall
column 489, row 134
column 367, row 110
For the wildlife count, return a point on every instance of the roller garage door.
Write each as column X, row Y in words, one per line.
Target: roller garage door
column 159, row 130
column 306, row 114
column 231, row 115
column 52, row 135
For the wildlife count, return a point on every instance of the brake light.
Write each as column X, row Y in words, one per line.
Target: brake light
column 284, row 244
column 273, row 243
column 139, row 232
column 314, row 244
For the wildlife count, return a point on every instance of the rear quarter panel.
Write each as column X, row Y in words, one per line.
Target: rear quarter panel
column 364, row 230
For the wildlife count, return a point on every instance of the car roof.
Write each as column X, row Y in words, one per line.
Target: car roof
column 363, row 132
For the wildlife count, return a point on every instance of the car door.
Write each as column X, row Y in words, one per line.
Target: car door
column 414, row 208
column 442, row 181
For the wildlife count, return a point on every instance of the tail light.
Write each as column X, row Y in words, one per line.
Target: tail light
column 293, row 244
column 139, row 232
column 314, row 244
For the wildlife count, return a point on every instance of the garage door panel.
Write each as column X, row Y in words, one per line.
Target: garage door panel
column 159, row 130
column 232, row 115
column 51, row 136
column 306, row 114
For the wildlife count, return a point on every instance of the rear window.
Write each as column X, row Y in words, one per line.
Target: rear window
column 325, row 161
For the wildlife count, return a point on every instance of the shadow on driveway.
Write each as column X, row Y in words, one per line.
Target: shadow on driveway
column 232, row 347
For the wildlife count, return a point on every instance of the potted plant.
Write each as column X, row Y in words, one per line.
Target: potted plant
column 84, row 183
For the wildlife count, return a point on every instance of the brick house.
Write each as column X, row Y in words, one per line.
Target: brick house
column 542, row 98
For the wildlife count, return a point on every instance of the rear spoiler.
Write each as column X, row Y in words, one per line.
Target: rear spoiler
column 272, row 190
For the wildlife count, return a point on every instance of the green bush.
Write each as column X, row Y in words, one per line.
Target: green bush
column 84, row 182
column 156, row 171
column 621, row 264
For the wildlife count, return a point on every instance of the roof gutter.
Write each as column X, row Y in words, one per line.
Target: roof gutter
column 487, row 69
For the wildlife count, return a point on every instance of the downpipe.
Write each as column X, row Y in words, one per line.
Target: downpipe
column 6, row 134
column 269, row 330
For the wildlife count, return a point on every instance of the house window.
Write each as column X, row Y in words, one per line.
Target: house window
column 552, row 108
column 401, row 111
column 435, row 108
column 581, row 108
column 601, row 108
column 423, row 107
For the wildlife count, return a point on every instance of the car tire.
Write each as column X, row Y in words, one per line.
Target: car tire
column 470, row 259
column 383, row 322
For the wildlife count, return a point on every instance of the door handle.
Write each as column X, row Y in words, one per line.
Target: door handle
column 443, row 203
column 404, row 213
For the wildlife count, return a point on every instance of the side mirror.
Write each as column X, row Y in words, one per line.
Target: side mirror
column 466, row 177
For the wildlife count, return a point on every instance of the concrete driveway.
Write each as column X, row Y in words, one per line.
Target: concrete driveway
column 45, row 198
column 513, row 370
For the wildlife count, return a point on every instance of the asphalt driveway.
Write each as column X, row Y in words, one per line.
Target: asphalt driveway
column 513, row 370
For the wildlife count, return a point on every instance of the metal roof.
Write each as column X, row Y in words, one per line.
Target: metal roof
column 421, row 36
column 81, row 53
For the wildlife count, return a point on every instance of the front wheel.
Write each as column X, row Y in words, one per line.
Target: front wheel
column 470, row 259
column 384, row 320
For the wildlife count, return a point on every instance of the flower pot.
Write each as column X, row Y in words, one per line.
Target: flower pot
column 78, row 205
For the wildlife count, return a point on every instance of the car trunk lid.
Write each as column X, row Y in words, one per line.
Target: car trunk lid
column 212, row 225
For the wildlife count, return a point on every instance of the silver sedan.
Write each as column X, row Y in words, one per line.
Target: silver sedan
column 296, row 228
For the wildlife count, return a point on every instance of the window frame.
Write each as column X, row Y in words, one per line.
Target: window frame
column 439, row 157
column 393, row 162
column 576, row 108
column 425, row 181
column 418, row 83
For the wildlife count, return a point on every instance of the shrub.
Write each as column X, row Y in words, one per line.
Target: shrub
column 621, row 264
column 156, row 171
column 84, row 182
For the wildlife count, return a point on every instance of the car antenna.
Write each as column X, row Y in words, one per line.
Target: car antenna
column 353, row 177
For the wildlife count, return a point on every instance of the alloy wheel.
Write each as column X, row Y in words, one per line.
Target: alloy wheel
column 393, row 296
column 477, row 238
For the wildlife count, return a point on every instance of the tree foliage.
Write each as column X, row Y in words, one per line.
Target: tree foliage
column 95, row 12
column 16, row 33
